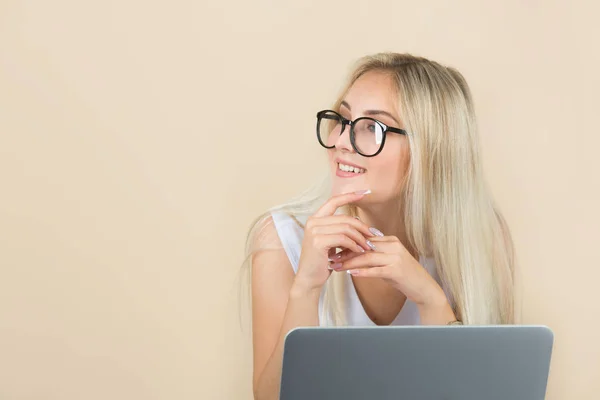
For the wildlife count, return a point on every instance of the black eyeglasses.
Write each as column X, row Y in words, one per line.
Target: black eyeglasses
column 367, row 135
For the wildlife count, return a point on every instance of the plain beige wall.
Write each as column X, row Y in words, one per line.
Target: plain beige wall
column 139, row 139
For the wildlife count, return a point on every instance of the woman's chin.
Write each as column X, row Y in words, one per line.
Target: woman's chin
column 339, row 190
column 342, row 188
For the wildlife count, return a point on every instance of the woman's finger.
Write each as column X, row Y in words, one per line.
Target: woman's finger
column 388, row 244
column 385, row 239
column 360, row 226
column 338, row 240
column 344, row 256
column 366, row 260
column 375, row 272
column 345, row 229
column 337, row 201
column 331, row 253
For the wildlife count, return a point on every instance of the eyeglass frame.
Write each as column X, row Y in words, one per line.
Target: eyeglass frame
column 345, row 121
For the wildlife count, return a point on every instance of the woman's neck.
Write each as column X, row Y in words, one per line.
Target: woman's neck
column 388, row 219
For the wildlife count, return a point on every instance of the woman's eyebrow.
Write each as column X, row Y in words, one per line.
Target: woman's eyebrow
column 381, row 112
column 372, row 113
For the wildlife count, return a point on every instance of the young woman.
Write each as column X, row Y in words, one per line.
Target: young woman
column 404, row 230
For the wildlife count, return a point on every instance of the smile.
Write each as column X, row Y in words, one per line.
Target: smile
column 348, row 171
column 350, row 168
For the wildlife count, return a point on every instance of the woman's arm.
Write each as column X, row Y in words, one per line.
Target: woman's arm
column 281, row 300
column 278, row 305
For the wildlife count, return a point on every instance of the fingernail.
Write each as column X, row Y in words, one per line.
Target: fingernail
column 376, row 232
column 336, row 266
column 352, row 272
column 362, row 250
column 336, row 256
column 371, row 245
column 366, row 191
column 357, row 217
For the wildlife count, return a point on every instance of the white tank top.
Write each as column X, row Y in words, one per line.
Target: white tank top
column 291, row 232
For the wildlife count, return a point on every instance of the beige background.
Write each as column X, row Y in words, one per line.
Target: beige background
column 139, row 139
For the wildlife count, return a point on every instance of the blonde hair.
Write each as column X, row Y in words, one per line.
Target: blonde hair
column 449, row 212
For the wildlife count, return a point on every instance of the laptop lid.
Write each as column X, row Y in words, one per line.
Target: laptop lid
column 417, row 362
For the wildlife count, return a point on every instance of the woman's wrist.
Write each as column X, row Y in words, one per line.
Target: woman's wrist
column 436, row 310
column 302, row 289
column 436, row 314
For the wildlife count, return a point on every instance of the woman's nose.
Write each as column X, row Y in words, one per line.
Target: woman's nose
column 343, row 140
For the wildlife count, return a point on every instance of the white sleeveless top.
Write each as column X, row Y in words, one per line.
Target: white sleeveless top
column 291, row 233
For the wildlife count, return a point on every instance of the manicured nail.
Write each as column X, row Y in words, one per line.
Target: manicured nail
column 336, row 266
column 352, row 272
column 371, row 245
column 366, row 191
column 336, row 256
column 376, row 232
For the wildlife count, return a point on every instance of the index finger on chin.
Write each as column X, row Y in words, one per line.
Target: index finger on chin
column 336, row 202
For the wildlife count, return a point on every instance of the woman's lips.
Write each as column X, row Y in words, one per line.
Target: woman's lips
column 347, row 169
column 345, row 174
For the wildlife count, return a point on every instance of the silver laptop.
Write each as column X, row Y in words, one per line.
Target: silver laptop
column 417, row 362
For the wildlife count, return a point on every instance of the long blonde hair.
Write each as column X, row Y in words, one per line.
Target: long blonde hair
column 449, row 212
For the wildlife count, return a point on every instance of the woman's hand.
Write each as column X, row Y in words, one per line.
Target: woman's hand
column 323, row 234
column 393, row 263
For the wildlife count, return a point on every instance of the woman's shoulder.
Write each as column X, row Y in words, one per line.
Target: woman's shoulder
column 274, row 228
column 281, row 217
column 289, row 228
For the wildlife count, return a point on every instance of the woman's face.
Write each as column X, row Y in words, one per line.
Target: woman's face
column 372, row 95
